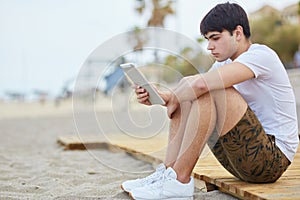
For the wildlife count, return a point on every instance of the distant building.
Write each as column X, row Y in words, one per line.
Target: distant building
column 289, row 13
column 264, row 11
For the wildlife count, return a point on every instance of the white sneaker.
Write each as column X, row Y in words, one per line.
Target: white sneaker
column 127, row 186
column 166, row 188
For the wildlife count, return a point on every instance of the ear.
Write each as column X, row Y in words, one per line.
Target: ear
column 239, row 32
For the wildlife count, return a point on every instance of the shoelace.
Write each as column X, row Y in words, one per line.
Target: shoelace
column 149, row 179
column 160, row 182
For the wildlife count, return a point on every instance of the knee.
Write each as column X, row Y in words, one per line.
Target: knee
column 204, row 101
column 229, row 95
column 229, row 91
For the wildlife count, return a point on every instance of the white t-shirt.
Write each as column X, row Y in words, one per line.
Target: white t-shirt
column 297, row 58
column 270, row 96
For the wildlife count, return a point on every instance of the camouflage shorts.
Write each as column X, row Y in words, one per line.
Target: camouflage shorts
column 248, row 153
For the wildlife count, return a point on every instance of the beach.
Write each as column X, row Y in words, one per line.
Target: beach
column 34, row 166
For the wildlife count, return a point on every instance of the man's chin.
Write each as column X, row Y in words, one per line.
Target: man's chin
column 220, row 59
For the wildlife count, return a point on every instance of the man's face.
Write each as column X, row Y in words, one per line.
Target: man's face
column 222, row 45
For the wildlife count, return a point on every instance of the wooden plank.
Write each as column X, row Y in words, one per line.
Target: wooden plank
column 207, row 168
column 73, row 143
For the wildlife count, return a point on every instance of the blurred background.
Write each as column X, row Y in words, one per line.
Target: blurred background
column 59, row 76
column 45, row 44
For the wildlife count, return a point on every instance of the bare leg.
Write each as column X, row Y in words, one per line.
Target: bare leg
column 177, row 126
column 220, row 109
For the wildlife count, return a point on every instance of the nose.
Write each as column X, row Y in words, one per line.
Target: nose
column 210, row 46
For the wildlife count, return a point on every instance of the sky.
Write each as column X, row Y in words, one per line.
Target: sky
column 44, row 43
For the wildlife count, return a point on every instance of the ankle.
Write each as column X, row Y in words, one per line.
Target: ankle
column 183, row 176
column 167, row 164
column 183, row 179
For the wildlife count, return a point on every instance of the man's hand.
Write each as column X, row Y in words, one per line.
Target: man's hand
column 188, row 89
column 172, row 105
column 143, row 95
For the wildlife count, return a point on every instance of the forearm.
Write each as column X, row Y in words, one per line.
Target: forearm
column 165, row 95
column 188, row 90
column 191, row 88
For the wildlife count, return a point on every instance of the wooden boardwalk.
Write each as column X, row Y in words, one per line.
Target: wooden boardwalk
column 207, row 169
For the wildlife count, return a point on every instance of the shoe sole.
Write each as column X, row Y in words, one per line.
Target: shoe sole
column 124, row 189
column 174, row 198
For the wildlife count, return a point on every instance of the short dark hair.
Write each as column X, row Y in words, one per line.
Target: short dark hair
column 225, row 16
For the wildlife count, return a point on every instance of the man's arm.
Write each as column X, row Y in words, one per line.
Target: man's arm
column 227, row 76
column 192, row 87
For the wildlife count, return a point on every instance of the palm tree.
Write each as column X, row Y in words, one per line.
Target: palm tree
column 161, row 9
column 138, row 38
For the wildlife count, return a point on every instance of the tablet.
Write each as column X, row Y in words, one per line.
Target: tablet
column 135, row 76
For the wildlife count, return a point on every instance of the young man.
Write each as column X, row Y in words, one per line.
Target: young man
column 246, row 100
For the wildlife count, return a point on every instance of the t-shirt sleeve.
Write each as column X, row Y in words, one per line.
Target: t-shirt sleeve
column 214, row 66
column 219, row 64
column 259, row 60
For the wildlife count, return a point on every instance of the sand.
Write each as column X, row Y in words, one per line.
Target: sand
column 34, row 166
